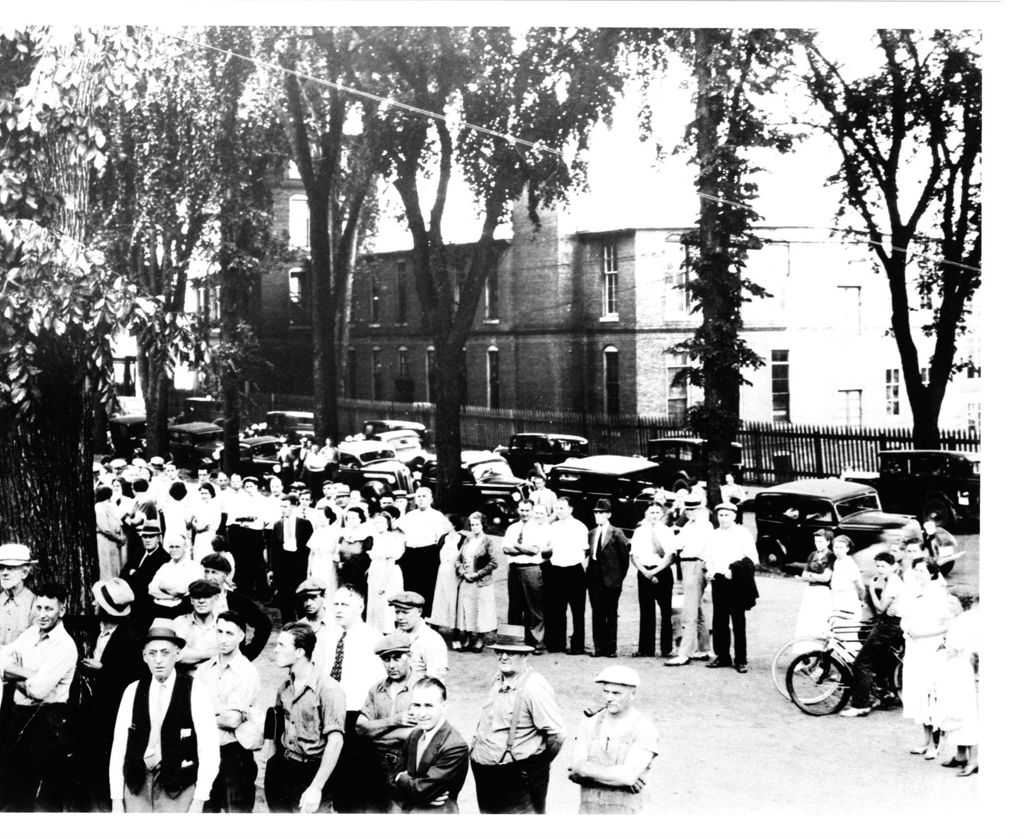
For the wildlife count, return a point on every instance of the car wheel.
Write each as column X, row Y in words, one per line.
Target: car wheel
column 939, row 510
column 771, row 553
column 496, row 516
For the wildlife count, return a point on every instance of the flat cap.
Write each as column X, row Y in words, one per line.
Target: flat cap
column 407, row 600
column 218, row 562
column 311, row 584
column 618, row 674
column 203, row 588
column 394, row 642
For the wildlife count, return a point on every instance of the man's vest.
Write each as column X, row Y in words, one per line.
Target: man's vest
column 179, row 751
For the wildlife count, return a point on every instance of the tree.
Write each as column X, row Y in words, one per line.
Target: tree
column 732, row 70
column 59, row 303
column 909, row 136
column 545, row 86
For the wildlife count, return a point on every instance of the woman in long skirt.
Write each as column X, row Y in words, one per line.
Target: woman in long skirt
column 956, row 688
column 110, row 536
column 476, row 613
column 816, row 606
column 384, row 579
column 205, row 521
column 442, row 612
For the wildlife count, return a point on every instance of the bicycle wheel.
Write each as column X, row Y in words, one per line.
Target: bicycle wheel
column 818, row 683
column 784, row 657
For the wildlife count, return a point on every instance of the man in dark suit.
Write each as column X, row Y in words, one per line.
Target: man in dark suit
column 289, row 555
column 434, row 759
column 609, row 561
column 139, row 573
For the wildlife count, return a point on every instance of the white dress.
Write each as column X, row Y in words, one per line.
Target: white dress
column 323, row 555
column 927, row 612
column 205, row 515
column 816, row 605
column 956, row 688
column 447, row 586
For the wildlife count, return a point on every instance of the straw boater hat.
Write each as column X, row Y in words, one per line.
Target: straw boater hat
column 114, row 596
column 510, row 639
column 15, row 555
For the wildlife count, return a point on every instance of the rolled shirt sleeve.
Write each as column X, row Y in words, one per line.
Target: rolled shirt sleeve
column 207, row 740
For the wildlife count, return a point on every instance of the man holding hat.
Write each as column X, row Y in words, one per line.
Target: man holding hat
column 198, row 629
column 428, row 651
column 15, row 598
column 691, row 545
column 609, row 561
column 217, row 570
column 385, row 721
column 165, row 754
column 614, row 749
column 34, row 741
column 730, row 558
column 520, row 732
column 140, row 570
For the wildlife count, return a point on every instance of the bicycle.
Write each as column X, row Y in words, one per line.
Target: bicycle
column 820, row 682
column 785, row 655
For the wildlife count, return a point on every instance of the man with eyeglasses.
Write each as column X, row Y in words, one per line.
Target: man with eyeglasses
column 520, row 732
column 15, row 597
column 166, row 752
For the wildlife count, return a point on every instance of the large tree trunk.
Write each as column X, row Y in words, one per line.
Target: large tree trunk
column 46, row 488
column 447, row 425
column 156, row 393
column 229, row 384
column 325, row 377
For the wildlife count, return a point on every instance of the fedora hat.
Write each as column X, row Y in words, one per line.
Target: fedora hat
column 114, row 596
column 158, row 632
column 13, row 554
column 510, row 639
column 602, row 505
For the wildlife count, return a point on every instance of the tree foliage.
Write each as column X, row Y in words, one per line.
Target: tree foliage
column 909, row 136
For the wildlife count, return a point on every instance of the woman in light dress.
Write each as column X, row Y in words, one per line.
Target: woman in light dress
column 816, row 606
column 926, row 617
column 110, row 536
column 446, row 588
column 476, row 612
column 204, row 521
column 956, row 688
column 175, row 512
column 847, row 589
column 384, row 579
column 323, row 546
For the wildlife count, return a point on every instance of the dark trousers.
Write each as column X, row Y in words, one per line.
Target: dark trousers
column 234, row 789
column 289, row 571
column 33, row 757
column 648, row 593
column 565, row 588
column 513, row 788
column 526, row 600
column 250, row 572
column 352, row 782
column 419, row 571
column 726, row 608
column 286, row 780
column 874, row 655
column 604, row 616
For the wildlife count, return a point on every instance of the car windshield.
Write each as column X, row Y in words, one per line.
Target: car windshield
column 849, row 506
column 263, row 450
column 371, row 455
column 490, row 469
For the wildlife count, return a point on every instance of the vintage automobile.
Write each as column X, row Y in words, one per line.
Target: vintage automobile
column 628, row 483
column 787, row 515
column 487, row 484
column 528, row 450
column 684, row 461
column 127, row 435
column 408, row 446
column 192, row 444
column 941, row 485
column 257, row 456
column 373, row 427
column 289, row 425
column 370, row 463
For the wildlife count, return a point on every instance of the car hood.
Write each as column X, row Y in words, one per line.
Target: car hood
column 876, row 518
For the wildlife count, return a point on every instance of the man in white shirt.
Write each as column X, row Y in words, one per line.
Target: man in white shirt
column 652, row 550
column 730, row 559
column 423, row 528
column 246, row 511
column 198, row 629
column 233, row 685
column 428, row 651
column 346, row 654
column 40, row 664
column 566, row 582
column 15, row 598
column 524, row 543
column 691, row 544
column 166, row 750
column 541, row 496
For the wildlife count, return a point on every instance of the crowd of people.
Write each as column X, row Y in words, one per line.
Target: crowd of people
column 374, row 593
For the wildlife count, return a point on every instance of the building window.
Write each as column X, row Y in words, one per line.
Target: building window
column 611, row 380
column 610, row 281
column 401, row 294
column 678, row 302
column 974, row 417
column 849, row 308
column 892, row 392
column 403, row 362
column 850, row 411
column 298, row 221
column 299, row 298
column 780, row 386
column 375, row 294
column 431, row 373
column 351, row 373
column 491, row 296
column 493, row 378
column 677, row 387
column 377, row 379
column 208, row 302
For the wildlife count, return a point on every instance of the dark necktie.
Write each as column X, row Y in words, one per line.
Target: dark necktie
column 339, row 658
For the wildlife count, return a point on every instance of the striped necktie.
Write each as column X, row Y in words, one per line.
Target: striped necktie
column 339, row 658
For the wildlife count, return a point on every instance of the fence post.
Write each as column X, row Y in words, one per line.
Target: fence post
column 819, row 454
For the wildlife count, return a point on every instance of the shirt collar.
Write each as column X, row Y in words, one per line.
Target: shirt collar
column 169, row 684
column 508, row 684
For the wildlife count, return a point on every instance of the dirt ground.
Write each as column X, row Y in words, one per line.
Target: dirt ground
column 730, row 744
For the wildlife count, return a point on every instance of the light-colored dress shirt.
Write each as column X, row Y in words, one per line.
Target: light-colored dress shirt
column 233, row 684
column 531, row 533
column 569, row 542
column 361, row 668
column 428, row 653
column 726, row 546
column 423, row 528
column 15, row 614
column 693, row 538
column 540, row 719
column 52, row 655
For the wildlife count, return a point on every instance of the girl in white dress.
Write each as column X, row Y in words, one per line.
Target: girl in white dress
column 816, row 606
column 442, row 612
column 384, row 578
column 204, row 521
column 323, row 546
column 956, row 688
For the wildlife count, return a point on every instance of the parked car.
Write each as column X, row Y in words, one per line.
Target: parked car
column 194, row 443
column 374, row 427
column 257, row 456
column 408, row 446
column 127, row 435
column 288, row 424
column 526, row 451
column 487, row 484
column 788, row 514
column 628, row 483
column 684, row 461
column 928, row 483
column 371, row 463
